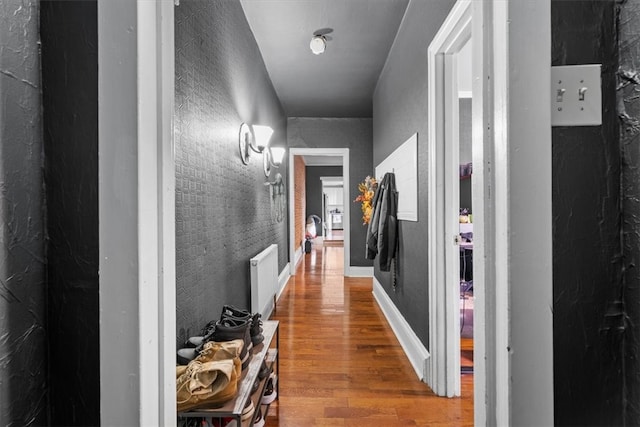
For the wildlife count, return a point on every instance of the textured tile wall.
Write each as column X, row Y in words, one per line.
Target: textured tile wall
column 223, row 211
column 23, row 349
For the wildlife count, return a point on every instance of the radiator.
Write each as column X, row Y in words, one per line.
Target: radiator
column 264, row 281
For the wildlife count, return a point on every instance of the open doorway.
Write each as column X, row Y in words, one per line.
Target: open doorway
column 450, row 220
column 298, row 159
column 333, row 209
column 465, row 216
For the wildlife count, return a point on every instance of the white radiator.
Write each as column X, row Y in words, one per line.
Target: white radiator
column 264, row 281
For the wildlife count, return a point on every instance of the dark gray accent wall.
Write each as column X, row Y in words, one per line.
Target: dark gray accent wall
column 629, row 113
column 314, row 189
column 223, row 209
column 23, row 361
column 354, row 134
column 399, row 111
column 589, row 312
column 70, row 105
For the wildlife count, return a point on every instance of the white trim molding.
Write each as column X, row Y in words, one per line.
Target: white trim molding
column 443, row 374
column 411, row 344
column 136, row 194
column 283, row 279
column 341, row 152
column 359, row 271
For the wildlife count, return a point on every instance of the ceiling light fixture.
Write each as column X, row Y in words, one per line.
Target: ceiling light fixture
column 318, row 44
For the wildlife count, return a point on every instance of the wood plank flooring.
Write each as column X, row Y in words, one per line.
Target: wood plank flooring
column 341, row 365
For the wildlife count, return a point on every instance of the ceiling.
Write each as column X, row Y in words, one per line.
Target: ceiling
column 340, row 82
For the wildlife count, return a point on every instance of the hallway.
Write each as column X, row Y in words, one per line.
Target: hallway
column 340, row 363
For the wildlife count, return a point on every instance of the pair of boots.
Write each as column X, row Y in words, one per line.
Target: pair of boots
column 233, row 324
column 211, row 378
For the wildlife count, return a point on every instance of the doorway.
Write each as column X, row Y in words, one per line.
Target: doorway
column 332, row 209
column 295, row 250
column 465, row 207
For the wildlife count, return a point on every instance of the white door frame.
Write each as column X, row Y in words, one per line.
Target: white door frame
column 513, row 331
column 136, row 191
column 443, row 368
column 295, row 252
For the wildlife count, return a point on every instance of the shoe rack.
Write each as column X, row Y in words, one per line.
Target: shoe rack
column 266, row 351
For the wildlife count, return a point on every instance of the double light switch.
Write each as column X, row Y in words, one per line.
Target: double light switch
column 576, row 95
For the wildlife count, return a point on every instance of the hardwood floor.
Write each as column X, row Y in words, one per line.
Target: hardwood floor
column 341, row 365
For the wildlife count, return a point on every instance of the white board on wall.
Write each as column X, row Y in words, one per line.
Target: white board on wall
column 404, row 163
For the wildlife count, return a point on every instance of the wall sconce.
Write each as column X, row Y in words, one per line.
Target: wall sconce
column 254, row 137
column 272, row 157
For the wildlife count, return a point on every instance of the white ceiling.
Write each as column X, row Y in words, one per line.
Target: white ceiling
column 339, row 82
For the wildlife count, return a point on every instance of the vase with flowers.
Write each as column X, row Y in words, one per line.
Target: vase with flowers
column 367, row 189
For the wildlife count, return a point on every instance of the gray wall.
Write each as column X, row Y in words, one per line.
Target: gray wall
column 589, row 313
column 400, row 110
column 223, row 213
column 354, row 134
column 70, row 103
column 629, row 110
column 23, row 361
column 314, row 189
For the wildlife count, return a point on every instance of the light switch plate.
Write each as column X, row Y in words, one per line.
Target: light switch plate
column 576, row 95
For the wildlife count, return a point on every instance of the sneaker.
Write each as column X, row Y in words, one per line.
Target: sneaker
column 231, row 312
column 197, row 340
column 247, row 412
column 259, row 421
column 264, row 371
column 256, row 329
column 270, row 393
column 229, row 329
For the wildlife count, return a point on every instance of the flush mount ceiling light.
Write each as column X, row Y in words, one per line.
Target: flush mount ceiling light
column 318, row 44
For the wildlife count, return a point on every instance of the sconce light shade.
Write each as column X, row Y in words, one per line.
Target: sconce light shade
column 272, row 158
column 277, row 154
column 318, row 44
column 262, row 135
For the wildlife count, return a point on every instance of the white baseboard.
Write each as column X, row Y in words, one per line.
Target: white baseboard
column 297, row 257
column 283, row 278
column 356, row 271
column 411, row 344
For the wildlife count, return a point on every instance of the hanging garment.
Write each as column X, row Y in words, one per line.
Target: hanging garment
column 382, row 233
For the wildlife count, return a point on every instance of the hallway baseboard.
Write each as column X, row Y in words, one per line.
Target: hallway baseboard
column 356, row 271
column 411, row 344
column 283, row 278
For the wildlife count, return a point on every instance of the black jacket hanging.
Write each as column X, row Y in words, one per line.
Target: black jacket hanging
column 382, row 233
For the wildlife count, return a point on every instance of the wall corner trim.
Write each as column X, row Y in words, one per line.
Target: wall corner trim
column 356, row 271
column 411, row 344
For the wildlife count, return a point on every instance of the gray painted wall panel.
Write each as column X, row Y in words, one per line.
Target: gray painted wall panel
column 354, row 134
column 400, row 110
column 587, row 268
column 23, row 352
column 223, row 211
column 70, row 103
column 629, row 111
